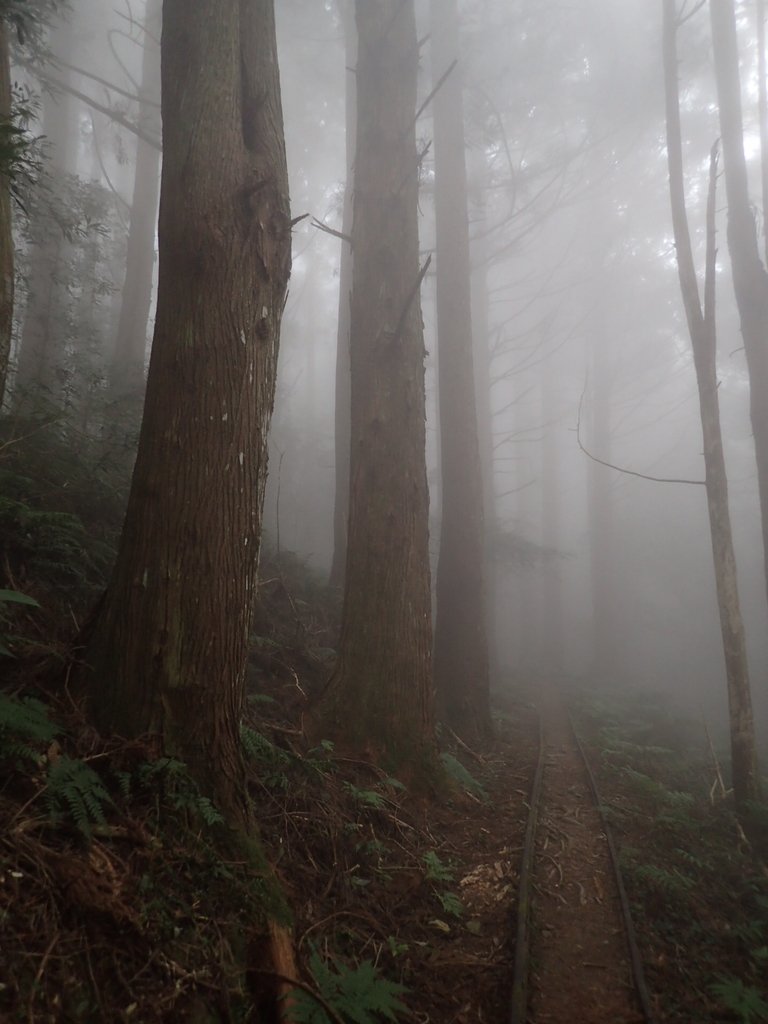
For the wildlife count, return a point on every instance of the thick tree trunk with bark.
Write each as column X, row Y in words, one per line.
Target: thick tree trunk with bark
column 461, row 645
column 379, row 699
column 701, row 327
column 127, row 365
column 750, row 280
column 342, row 398
column 167, row 655
column 6, row 235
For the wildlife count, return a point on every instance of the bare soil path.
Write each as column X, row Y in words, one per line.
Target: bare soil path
column 580, row 968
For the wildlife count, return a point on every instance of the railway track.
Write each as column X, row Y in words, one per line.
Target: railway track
column 576, row 956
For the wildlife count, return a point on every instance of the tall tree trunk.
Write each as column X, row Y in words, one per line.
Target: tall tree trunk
column 482, row 364
column 342, row 398
column 750, row 279
column 127, row 367
column 551, row 496
column 600, row 501
column 762, row 113
column 167, row 655
column 6, row 235
column 379, row 698
column 702, row 330
column 461, row 645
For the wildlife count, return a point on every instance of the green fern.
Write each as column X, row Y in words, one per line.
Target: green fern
column 179, row 788
column 744, row 1000
column 24, row 728
column 358, row 995
column 462, row 776
column 365, row 797
column 76, row 790
column 435, row 869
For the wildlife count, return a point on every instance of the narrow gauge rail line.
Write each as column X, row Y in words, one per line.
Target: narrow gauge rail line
column 523, row 930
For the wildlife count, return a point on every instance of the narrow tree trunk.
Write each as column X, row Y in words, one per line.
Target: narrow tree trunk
column 461, row 645
column 6, row 235
column 379, row 699
column 551, row 496
column 127, row 366
column 750, row 279
column 762, row 113
column 482, row 365
column 701, row 327
column 600, row 500
column 342, row 398
column 168, row 652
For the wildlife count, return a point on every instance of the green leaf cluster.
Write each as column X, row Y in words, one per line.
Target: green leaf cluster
column 357, row 994
column 24, row 728
column 745, row 1001
column 75, row 790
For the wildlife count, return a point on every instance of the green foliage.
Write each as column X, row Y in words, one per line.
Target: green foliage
column 272, row 762
column 462, row 776
column 744, row 1000
column 451, row 903
column 435, row 869
column 173, row 782
column 365, row 797
column 24, row 728
column 358, row 995
column 74, row 789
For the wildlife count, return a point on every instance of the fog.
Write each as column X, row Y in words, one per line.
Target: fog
column 582, row 355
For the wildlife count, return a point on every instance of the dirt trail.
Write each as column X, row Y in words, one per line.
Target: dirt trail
column 580, row 967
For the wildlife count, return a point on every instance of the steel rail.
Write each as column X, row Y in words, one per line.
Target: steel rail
column 519, row 997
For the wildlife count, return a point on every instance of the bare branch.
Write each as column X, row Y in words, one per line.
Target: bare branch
column 113, row 114
column 109, row 85
column 435, row 91
column 330, row 231
column 624, row 470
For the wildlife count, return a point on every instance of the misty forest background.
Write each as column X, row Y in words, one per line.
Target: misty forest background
column 513, row 171
column 576, row 304
column 373, row 367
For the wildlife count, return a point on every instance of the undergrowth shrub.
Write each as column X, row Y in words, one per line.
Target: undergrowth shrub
column 356, row 994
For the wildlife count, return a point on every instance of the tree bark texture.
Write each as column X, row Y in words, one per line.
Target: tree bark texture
column 127, row 365
column 702, row 330
column 750, row 280
column 342, row 398
column 461, row 645
column 379, row 699
column 6, row 235
column 168, row 652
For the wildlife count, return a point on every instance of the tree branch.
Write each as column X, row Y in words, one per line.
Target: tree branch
column 113, row 114
column 435, row 91
column 622, row 469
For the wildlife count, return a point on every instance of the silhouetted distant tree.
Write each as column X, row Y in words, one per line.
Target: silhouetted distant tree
column 750, row 279
column 461, row 644
column 702, row 330
column 379, row 698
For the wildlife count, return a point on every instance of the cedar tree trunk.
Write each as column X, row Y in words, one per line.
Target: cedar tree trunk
column 341, row 433
column 379, row 699
column 750, row 280
column 168, row 652
column 6, row 235
column 701, row 327
column 127, row 368
column 461, row 645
